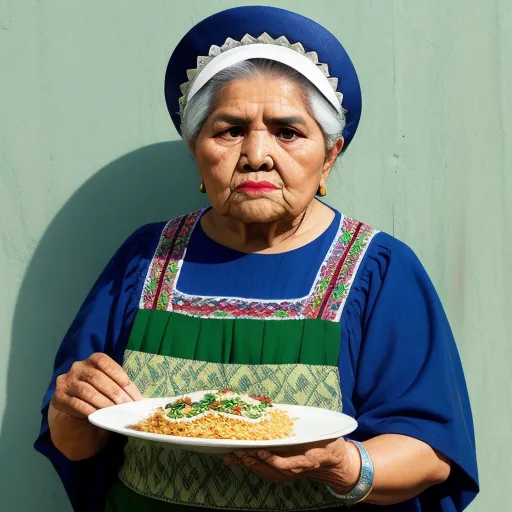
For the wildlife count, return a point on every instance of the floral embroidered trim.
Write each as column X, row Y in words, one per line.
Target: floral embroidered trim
column 346, row 270
column 167, row 261
column 233, row 307
column 329, row 266
column 326, row 299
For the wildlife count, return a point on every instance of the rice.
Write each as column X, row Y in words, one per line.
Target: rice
column 276, row 425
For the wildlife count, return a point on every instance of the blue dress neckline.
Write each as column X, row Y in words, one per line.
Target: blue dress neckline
column 212, row 269
column 329, row 233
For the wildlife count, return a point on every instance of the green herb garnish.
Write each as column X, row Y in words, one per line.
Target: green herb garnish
column 185, row 408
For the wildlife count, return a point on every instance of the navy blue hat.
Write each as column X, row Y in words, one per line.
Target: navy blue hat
column 197, row 55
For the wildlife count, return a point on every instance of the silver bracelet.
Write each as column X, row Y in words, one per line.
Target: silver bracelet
column 364, row 484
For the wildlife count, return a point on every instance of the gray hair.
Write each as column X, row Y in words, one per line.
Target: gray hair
column 206, row 99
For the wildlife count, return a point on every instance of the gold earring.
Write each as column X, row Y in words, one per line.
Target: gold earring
column 322, row 191
column 202, row 188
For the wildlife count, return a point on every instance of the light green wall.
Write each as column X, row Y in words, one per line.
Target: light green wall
column 88, row 154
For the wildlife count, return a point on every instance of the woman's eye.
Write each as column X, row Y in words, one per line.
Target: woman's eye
column 286, row 134
column 233, row 132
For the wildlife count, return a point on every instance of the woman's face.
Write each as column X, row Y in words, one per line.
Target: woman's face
column 261, row 155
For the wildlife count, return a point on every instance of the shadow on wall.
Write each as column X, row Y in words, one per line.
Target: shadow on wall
column 151, row 184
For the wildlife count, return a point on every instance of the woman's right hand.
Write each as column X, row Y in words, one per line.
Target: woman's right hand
column 93, row 384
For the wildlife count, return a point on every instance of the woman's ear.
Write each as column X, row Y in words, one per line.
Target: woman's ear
column 332, row 154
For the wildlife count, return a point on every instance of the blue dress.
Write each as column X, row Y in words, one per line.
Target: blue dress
column 399, row 365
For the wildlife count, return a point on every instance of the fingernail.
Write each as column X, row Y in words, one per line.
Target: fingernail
column 296, row 471
column 249, row 461
column 262, row 454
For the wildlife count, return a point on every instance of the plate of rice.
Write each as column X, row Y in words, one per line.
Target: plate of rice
column 220, row 421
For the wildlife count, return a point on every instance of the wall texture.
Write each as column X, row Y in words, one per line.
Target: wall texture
column 84, row 137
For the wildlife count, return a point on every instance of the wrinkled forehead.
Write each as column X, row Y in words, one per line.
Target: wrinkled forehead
column 260, row 92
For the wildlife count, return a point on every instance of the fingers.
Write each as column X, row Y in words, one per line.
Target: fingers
column 250, row 460
column 83, row 407
column 109, row 367
column 231, row 460
column 93, row 384
column 106, row 386
column 133, row 391
column 289, row 463
column 296, row 464
column 73, row 406
column 113, row 370
column 89, row 394
column 309, row 457
column 78, row 398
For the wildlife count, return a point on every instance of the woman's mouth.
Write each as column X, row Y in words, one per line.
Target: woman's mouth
column 256, row 187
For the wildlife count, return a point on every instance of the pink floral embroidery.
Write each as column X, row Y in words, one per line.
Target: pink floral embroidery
column 328, row 269
column 344, row 276
column 326, row 300
column 166, row 262
column 229, row 307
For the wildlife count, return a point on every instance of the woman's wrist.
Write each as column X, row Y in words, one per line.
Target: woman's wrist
column 364, row 484
column 74, row 437
column 343, row 477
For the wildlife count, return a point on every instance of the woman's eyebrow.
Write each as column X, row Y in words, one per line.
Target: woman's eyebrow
column 228, row 118
column 274, row 121
column 288, row 120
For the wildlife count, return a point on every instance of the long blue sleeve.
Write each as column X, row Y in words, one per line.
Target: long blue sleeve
column 401, row 372
column 102, row 325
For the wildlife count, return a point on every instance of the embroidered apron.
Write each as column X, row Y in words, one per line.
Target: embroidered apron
column 181, row 343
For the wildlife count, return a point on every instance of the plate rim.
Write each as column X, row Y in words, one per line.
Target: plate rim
column 199, row 442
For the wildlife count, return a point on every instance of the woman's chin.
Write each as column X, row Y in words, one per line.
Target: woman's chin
column 253, row 211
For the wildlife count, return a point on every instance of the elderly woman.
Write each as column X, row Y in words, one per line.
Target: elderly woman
column 268, row 290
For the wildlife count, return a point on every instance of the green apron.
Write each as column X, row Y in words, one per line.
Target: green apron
column 181, row 343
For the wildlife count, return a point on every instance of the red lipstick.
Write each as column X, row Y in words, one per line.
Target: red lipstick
column 256, row 187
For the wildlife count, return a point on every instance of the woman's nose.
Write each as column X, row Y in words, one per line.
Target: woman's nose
column 256, row 151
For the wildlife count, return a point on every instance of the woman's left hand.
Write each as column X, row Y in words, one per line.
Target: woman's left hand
column 336, row 463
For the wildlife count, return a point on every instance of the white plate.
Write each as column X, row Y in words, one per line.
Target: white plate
column 312, row 424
